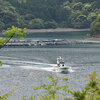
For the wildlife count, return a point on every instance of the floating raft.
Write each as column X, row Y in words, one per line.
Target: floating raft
column 18, row 44
column 48, row 42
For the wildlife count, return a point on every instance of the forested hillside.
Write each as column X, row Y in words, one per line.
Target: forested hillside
column 48, row 13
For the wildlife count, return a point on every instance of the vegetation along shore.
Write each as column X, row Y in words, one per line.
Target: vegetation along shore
column 55, row 30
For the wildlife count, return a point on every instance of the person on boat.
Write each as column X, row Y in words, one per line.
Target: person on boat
column 60, row 62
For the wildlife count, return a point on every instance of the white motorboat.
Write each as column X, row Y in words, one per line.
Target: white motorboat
column 61, row 65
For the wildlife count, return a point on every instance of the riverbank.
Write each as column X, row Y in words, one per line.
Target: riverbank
column 92, row 39
column 54, row 30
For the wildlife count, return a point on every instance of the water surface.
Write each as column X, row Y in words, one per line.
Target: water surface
column 26, row 67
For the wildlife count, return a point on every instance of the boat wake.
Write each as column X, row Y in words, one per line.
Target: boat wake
column 4, row 66
column 30, row 65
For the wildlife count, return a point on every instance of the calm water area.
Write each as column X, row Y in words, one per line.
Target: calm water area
column 26, row 67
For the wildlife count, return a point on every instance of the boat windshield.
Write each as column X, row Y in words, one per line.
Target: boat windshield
column 60, row 59
column 62, row 62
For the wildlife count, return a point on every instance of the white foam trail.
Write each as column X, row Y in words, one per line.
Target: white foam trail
column 56, row 69
column 38, row 68
column 30, row 67
column 48, row 69
column 36, row 65
column 4, row 66
column 28, row 62
column 7, row 57
column 70, row 70
column 51, row 69
column 25, row 62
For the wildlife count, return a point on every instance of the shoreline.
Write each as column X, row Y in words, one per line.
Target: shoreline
column 55, row 30
column 92, row 39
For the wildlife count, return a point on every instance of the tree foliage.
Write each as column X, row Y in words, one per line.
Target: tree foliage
column 64, row 13
column 52, row 91
column 9, row 34
column 8, row 15
column 95, row 27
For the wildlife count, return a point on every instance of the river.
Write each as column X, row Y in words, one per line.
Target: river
column 26, row 67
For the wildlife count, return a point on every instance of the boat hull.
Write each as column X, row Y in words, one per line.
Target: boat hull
column 59, row 69
column 64, row 69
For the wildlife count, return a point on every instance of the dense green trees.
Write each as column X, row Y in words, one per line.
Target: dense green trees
column 95, row 27
column 50, row 24
column 57, row 13
column 37, row 14
column 8, row 15
column 82, row 14
column 36, row 23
